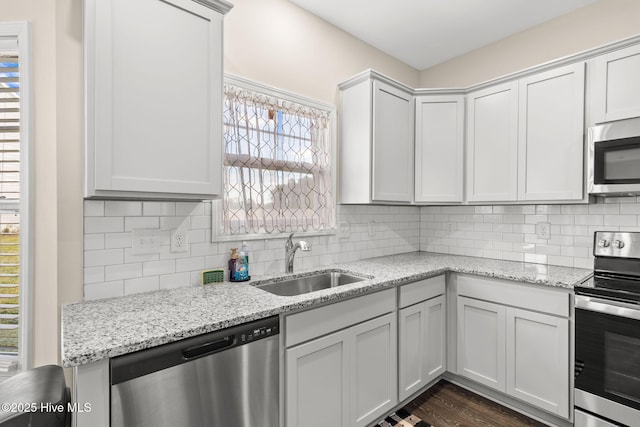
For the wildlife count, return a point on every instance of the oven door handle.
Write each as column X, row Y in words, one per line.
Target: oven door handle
column 615, row 308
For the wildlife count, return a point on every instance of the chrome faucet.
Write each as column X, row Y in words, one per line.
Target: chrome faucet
column 290, row 252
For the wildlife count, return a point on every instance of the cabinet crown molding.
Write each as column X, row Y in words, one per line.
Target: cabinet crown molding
column 566, row 60
column 373, row 74
column 217, row 5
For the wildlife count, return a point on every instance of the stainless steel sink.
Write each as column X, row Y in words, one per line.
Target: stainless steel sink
column 306, row 284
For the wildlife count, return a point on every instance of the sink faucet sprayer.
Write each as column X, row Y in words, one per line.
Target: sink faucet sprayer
column 290, row 252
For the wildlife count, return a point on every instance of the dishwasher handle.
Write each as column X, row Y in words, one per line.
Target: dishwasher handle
column 207, row 348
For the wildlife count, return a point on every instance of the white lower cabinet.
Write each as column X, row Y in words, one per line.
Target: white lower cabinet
column 538, row 359
column 373, row 369
column 348, row 377
column 422, row 348
column 481, row 342
column 317, row 385
column 519, row 351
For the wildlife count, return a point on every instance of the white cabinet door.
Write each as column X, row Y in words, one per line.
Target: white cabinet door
column 392, row 144
column 373, row 369
column 538, row 362
column 317, row 382
column 481, row 342
column 154, row 124
column 421, row 345
column 551, row 135
column 439, row 144
column 492, row 150
column 616, row 87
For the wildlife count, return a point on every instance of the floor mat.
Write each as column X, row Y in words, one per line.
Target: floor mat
column 402, row 418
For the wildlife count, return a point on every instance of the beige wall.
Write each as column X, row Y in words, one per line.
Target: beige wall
column 600, row 23
column 56, row 147
column 277, row 43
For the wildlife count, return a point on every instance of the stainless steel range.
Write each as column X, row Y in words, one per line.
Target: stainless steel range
column 607, row 322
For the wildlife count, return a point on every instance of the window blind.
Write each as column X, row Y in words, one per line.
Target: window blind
column 9, row 201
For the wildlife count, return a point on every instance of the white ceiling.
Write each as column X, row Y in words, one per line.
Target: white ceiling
column 423, row 33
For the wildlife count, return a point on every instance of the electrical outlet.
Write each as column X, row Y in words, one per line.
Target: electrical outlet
column 543, row 230
column 145, row 241
column 179, row 241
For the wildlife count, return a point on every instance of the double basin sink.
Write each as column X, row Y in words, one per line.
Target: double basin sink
column 314, row 282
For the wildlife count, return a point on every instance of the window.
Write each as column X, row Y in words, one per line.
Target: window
column 278, row 166
column 13, row 138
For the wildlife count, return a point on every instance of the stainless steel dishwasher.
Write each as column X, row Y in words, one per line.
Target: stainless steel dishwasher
column 223, row 378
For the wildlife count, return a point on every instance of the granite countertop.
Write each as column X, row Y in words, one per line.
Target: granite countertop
column 95, row 330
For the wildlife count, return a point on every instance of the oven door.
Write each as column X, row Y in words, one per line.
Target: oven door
column 607, row 356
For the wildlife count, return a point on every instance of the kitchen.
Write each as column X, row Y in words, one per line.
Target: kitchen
column 57, row 36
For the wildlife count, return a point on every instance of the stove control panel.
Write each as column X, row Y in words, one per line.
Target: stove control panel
column 617, row 244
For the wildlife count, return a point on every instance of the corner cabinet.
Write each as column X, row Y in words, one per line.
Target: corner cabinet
column 439, row 145
column 376, row 141
column 153, row 88
column 515, row 339
column 492, row 144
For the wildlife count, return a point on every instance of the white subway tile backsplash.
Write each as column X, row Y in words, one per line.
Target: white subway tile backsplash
column 158, row 208
column 112, row 208
column 103, row 257
column 117, row 240
column 93, row 275
column 122, row 271
column 190, row 264
column 630, row 220
column 397, row 230
column 156, row 268
column 93, row 242
column 501, row 232
column 612, row 208
column 177, row 280
column 93, row 208
column 103, row 290
column 134, row 223
column 103, row 224
column 572, row 228
column 189, row 208
column 142, row 284
column 130, row 257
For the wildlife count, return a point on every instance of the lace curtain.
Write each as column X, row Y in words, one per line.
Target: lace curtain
column 277, row 173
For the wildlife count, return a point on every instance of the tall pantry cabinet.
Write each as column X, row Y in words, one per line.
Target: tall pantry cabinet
column 153, row 98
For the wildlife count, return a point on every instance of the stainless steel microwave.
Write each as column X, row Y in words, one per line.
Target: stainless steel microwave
column 614, row 158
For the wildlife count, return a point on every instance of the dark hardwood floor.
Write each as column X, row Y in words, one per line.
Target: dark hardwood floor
column 448, row 405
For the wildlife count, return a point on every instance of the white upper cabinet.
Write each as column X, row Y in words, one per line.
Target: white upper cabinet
column 551, row 135
column 376, row 141
column 439, row 144
column 526, row 138
column 616, row 86
column 492, row 149
column 153, row 74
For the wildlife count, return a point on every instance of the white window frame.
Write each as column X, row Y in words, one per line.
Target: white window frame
column 216, row 212
column 22, row 32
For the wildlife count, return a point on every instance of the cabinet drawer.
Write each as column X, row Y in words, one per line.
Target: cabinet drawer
column 551, row 301
column 421, row 290
column 314, row 323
